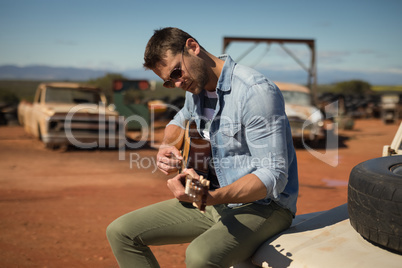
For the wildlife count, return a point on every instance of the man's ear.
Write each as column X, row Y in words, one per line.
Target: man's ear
column 193, row 46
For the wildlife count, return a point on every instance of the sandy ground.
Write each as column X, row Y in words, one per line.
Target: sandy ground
column 56, row 205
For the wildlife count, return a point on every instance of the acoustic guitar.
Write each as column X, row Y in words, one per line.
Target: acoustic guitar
column 196, row 152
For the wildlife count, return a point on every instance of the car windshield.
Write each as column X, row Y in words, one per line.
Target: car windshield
column 68, row 95
column 297, row 98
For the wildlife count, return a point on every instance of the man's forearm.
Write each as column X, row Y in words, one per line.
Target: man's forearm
column 173, row 136
column 247, row 189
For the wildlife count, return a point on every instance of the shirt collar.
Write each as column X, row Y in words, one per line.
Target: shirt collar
column 224, row 82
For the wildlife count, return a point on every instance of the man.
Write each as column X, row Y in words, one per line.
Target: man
column 255, row 189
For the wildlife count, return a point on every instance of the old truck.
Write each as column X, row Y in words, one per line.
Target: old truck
column 129, row 99
column 306, row 120
column 71, row 114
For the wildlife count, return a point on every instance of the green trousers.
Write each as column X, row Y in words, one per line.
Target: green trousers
column 220, row 237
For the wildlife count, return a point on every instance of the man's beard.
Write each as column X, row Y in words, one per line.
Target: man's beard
column 200, row 75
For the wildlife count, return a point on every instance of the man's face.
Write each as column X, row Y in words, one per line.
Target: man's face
column 194, row 75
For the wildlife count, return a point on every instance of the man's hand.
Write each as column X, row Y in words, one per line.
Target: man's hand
column 178, row 188
column 176, row 185
column 168, row 159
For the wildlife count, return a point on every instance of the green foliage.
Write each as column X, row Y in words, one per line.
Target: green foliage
column 106, row 84
column 21, row 89
column 353, row 87
column 397, row 88
column 378, row 89
column 325, row 88
column 8, row 97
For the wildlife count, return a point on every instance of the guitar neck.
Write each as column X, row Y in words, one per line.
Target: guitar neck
column 197, row 190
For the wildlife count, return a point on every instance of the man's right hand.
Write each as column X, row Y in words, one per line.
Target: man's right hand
column 168, row 159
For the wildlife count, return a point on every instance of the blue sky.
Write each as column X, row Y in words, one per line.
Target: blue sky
column 359, row 39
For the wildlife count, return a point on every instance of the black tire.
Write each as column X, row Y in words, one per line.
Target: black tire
column 39, row 133
column 375, row 201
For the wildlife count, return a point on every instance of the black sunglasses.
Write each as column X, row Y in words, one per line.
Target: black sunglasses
column 175, row 74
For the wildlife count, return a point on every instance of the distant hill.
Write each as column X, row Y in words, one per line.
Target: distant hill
column 47, row 73
column 38, row 72
column 41, row 72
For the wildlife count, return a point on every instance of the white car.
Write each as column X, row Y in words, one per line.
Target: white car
column 306, row 120
column 322, row 240
column 66, row 113
column 365, row 232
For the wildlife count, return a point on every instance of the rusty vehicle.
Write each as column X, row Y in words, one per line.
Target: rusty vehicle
column 390, row 108
column 395, row 148
column 306, row 120
column 71, row 114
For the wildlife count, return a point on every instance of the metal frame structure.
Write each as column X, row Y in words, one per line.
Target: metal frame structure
column 311, row 70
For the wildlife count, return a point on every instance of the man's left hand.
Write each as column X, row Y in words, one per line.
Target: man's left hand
column 176, row 185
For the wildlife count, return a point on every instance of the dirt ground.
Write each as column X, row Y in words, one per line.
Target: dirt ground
column 56, row 205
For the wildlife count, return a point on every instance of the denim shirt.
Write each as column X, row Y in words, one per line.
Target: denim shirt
column 249, row 132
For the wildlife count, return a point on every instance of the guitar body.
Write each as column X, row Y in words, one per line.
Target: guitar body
column 196, row 151
column 196, row 154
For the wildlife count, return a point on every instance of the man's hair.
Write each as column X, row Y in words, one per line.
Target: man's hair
column 164, row 39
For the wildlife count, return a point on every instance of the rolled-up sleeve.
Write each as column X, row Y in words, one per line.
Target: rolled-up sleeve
column 184, row 114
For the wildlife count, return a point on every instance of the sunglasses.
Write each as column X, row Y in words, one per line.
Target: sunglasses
column 175, row 74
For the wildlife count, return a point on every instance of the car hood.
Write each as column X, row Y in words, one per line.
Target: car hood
column 303, row 112
column 330, row 236
column 52, row 109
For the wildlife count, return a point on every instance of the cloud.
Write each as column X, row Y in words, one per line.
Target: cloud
column 101, row 65
column 332, row 56
column 397, row 70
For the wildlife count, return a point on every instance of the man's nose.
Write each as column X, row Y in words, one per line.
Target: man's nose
column 178, row 83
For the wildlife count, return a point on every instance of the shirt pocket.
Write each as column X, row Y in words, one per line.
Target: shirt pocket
column 231, row 137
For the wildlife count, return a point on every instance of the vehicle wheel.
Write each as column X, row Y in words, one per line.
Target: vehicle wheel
column 40, row 138
column 39, row 134
column 20, row 120
column 375, row 201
